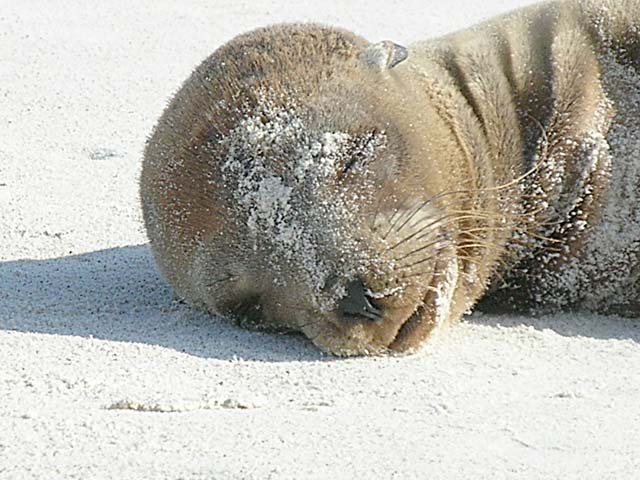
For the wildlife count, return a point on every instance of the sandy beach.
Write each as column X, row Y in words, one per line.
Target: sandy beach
column 104, row 375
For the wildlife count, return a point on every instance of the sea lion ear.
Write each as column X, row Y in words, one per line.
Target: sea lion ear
column 384, row 55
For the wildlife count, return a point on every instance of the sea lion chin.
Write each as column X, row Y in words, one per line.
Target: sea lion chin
column 304, row 179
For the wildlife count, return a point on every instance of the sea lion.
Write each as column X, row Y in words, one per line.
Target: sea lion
column 366, row 194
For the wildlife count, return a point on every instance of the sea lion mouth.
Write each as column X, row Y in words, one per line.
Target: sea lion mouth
column 432, row 311
column 417, row 322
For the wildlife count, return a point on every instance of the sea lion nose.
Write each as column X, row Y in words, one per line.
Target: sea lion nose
column 356, row 303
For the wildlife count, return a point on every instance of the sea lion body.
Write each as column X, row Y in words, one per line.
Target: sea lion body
column 568, row 75
column 307, row 180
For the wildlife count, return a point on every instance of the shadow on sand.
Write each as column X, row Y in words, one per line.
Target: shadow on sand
column 568, row 324
column 117, row 294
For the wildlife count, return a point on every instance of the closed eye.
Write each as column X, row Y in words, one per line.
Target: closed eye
column 362, row 151
column 350, row 163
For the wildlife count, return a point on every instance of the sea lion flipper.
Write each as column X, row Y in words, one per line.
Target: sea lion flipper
column 385, row 54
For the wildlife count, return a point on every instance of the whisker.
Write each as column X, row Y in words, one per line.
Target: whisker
column 432, row 224
column 430, row 257
column 441, row 238
column 415, row 211
column 392, row 222
column 503, row 186
column 467, row 258
column 479, row 244
column 442, row 225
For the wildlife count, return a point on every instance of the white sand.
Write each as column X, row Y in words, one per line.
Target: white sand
column 102, row 376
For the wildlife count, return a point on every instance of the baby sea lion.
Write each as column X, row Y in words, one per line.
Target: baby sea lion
column 366, row 194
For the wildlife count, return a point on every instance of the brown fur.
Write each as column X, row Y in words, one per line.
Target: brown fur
column 445, row 172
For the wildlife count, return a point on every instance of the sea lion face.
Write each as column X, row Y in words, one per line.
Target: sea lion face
column 278, row 190
column 326, row 238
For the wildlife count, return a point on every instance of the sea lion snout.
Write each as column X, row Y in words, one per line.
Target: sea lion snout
column 359, row 304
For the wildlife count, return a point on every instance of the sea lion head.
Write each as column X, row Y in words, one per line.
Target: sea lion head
column 320, row 217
